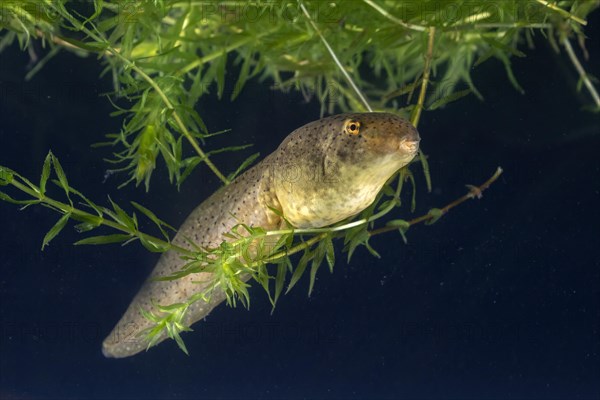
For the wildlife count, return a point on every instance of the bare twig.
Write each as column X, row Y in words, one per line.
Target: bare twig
column 474, row 192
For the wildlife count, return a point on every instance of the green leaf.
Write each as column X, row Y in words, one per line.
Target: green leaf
column 189, row 163
column 88, row 222
column 261, row 275
column 503, row 48
column 386, row 204
column 153, row 334
column 216, row 133
column 153, row 245
column 55, row 230
column 509, row 72
column 403, row 90
column 221, row 65
column 299, row 270
column 449, row 99
column 425, row 165
column 355, row 238
column 229, row 149
column 121, row 217
column 188, row 269
column 317, row 260
column 171, row 307
column 87, row 201
column 410, row 177
column 435, row 214
column 243, row 166
column 180, row 342
column 114, row 238
column 241, row 81
column 388, row 191
column 282, row 267
column 329, row 253
column 8, row 199
column 6, row 176
column 45, row 173
column 85, row 227
column 149, row 316
column 399, row 223
column 154, row 218
column 60, row 173
column 33, row 187
column 402, row 226
column 371, row 249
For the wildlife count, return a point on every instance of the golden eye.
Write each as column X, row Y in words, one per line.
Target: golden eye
column 352, row 127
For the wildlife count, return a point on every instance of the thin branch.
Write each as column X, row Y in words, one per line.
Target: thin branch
column 582, row 74
column 562, row 12
column 65, row 208
column 425, row 82
column 335, row 59
column 288, row 252
column 398, row 21
column 474, row 192
column 498, row 25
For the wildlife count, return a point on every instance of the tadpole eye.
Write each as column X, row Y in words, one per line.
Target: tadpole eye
column 352, row 127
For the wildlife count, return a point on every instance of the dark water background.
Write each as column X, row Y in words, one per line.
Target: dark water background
column 500, row 299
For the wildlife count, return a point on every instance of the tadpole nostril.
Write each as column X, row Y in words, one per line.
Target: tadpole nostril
column 414, row 136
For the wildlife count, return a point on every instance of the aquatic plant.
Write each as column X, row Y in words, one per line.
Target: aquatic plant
column 401, row 56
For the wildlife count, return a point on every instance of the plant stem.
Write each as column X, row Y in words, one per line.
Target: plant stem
column 69, row 209
column 297, row 248
column 474, row 192
column 335, row 59
column 389, row 16
column 425, row 82
column 562, row 12
column 582, row 74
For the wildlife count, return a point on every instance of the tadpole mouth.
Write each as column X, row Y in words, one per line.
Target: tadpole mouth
column 410, row 142
column 410, row 145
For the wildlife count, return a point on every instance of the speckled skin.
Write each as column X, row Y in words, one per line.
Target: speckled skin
column 320, row 175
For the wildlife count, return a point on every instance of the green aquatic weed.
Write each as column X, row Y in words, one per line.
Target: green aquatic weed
column 163, row 56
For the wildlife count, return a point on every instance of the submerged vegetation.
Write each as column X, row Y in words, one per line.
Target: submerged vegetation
column 397, row 56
